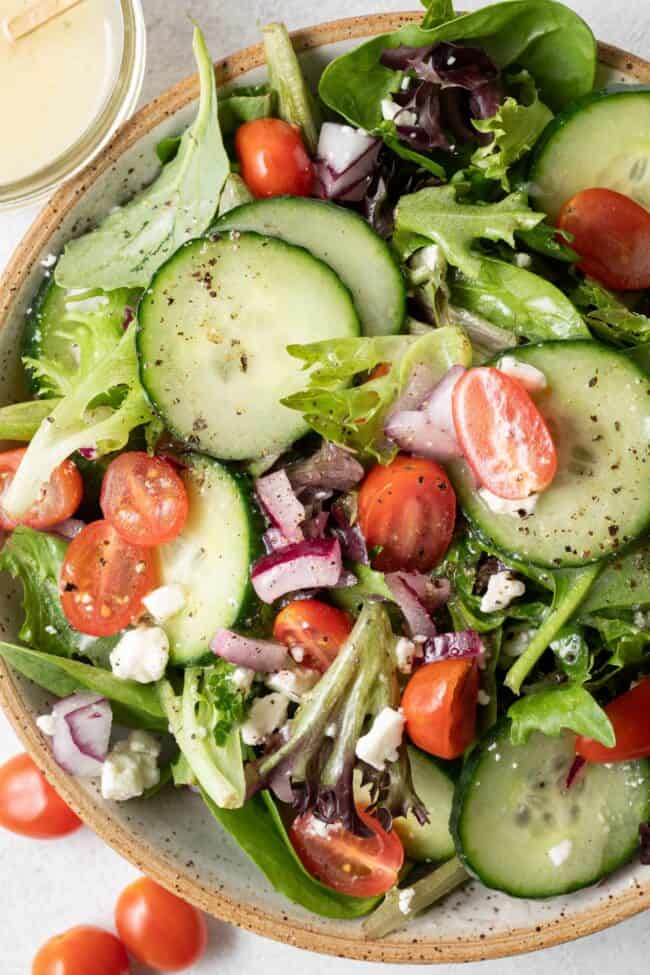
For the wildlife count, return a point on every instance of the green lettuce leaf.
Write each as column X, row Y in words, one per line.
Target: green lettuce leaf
column 608, row 317
column 133, row 241
column 20, row 421
column 437, row 12
column 569, row 707
column 76, row 422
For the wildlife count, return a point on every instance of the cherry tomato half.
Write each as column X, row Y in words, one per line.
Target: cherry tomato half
column 502, row 434
column 103, row 580
column 318, row 629
column 611, row 233
column 273, row 159
column 144, row 499
column 360, row 866
column 439, row 703
column 59, row 499
column 28, row 803
column 407, row 507
column 84, row 950
column 630, row 717
column 158, row 928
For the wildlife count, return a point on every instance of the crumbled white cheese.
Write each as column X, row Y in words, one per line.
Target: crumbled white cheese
column 242, row 678
column 131, row 767
column 47, row 724
column 530, row 377
column 502, row 589
column 316, row 827
column 505, row 506
column 483, row 697
column 558, row 854
column 390, row 109
column 381, row 743
column 265, row 716
column 406, row 651
column 405, row 899
column 141, row 655
column 294, row 683
column 298, row 653
column 522, row 259
column 514, row 645
column 165, row 602
column 330, row 731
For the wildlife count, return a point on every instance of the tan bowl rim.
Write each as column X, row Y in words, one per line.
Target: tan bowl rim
column 276, row 925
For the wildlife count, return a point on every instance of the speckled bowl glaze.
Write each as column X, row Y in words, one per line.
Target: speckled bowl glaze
column 172, row 837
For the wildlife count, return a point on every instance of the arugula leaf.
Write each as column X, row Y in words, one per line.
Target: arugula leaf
column 608, row 316
column 569, row 707
column 515, row 129
column 75, row 422
column 370, row 583
column 295, row 102
column 437, row 12
column 258, row 829
column 570, row 589
column 133, row 241
column 434, row 214
column 36, row 558
column 20, row 421
column 518, row 300
column 354, row 415
column 135, row 704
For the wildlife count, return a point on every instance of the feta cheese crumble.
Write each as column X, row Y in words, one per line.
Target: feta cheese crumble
column 505, row 506
column 502, row 589
column 141, row 655
column 381, row 743
column 390, row 110
column 165, row 602
column 242, row 678
column 406, row 652
column 131, row 767
column 266, row 715
column 558, row 854
column 405, row 899
column 530, row 378
column 294, row 683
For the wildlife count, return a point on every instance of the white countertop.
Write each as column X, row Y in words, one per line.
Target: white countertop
column 49, row 886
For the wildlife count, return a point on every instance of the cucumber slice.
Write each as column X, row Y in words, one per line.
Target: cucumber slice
column 211, row 557
column 71, row 330
column 601, row 140
column 213, row 328
column 596, row 406
column 341, row 238
column 520, row 830
column 435, row 788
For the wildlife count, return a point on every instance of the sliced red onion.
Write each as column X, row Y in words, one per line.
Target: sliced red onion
column 417, row 618
column 315, row 526
column 353, row 543
column 312, row 563
column 464, row 643
column 276, row 496
column 417, row 388
column 81, row 734
column 345, row 161
column 346, row 579
column 429, row 431
column 432, row 593
column 576, row 767
column 69, row 528
column 273, row 540
column 89, row 453
column 263, row 656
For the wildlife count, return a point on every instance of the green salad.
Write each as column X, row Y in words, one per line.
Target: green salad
column 331, row 497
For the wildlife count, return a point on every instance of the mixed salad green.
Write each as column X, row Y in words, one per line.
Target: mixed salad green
column 335, row 476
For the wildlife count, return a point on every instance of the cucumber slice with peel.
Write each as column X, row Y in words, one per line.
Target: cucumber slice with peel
column 434, row 786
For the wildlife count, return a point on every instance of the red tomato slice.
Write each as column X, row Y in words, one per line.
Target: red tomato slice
column 317, row 629
column 273, row 159
column 82, row 951
column 28, row 803
column 103, row 580
column 59, row 499
column 158, row 928
column 630, row 717
column 502, row 434
column 408, row 508
column 144, row 499
column 611, row 233
column 349, row 864
column 439, row 703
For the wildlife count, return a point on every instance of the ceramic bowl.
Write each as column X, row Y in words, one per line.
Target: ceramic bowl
column 172, row 837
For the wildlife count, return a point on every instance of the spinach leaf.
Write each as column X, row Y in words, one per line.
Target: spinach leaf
column 137, row 704
column 258, row 829
column 295, row 102
column 549, row 242
column 624, row 584
column 546, row 38
column 558, row 709
column 608, row 316
column 133, row 241
column 437, row 12
column 36, row 559
column 570, row 589
column 518, row 300
column 434, row 214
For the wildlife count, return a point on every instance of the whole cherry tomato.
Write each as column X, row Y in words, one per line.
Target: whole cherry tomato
column 28, row 803
column 159, row 929
column 273, row 159
column 83, row 950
